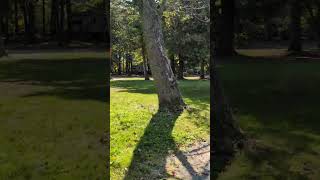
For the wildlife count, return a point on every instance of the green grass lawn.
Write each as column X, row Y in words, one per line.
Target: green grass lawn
column 142, row 137
column 53, row 116
column 277, row 104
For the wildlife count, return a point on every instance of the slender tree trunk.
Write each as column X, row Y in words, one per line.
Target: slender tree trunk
column 16, row 11
column 61, row 22
column 181, row 67
column 32, row 20
column 173, row 63
column 317, row 24
column 145, row 65
column 148, row 64
column 6, row 28
column 26, row 20
column 268, row 29
column 69, row 18
column 127, row 64
column 295, row 26
column 202, row 73
column 54, row 17
column 29, row 19
column 123, row 65
column 166, row 84
column 107, row 30
column 2, row 49
column 225, row 29
column 43, row 17
column 119, row 65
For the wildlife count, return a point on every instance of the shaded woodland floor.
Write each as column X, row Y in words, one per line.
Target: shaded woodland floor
column 53, row 115
column 277, row 104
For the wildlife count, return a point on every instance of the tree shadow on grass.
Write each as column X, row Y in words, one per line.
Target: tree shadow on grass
column 196, row 91
column 149, row 157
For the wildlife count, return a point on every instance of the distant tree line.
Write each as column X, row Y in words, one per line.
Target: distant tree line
column 30, row 21
column 185, row 26
column 238, row 22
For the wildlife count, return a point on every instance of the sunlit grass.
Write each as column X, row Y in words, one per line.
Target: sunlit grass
column 134, row 103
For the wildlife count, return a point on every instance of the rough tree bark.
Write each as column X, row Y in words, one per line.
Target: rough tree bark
column 166, row 84
column 295, row 26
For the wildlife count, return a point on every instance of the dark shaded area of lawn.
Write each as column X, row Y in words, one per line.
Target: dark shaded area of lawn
column 78, row 78
column 149, row 157
column 54, row 116
column 277, row 104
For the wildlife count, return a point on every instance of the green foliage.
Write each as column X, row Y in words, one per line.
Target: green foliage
column 184, row 32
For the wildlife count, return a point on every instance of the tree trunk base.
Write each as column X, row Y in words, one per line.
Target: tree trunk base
column 177, row 107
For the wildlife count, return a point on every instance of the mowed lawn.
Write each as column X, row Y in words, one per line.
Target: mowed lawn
column 53, row 115
column 277, row 104
column 142, row 137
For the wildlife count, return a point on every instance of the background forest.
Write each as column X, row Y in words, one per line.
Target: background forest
column 186, row 31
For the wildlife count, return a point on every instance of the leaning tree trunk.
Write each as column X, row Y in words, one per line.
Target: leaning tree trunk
column 295, row 26
column 166, row 84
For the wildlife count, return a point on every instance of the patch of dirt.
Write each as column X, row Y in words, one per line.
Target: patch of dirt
column 192, row 163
